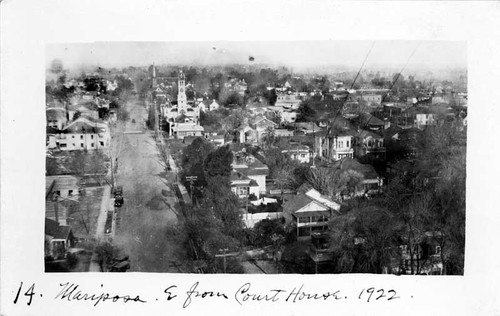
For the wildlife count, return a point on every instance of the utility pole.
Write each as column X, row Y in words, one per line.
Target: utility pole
column 225, row 254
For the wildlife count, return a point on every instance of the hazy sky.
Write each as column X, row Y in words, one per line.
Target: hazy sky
column 427, row 54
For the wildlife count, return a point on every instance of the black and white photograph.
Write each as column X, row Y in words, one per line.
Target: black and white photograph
column 250, row 157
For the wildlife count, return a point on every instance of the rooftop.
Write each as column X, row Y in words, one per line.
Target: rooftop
column 53, row 229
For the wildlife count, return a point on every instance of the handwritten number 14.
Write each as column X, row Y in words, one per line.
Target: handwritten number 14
column 30, row 292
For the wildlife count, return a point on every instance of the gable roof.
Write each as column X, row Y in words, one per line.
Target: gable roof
column 296, row 203
column 238, row 176
column 366, row 134
column 260, row 119
column 61, row 182
column 352, row 164
column 86, row 125
column 55, row 230
column 306, row 195
column 371, row 120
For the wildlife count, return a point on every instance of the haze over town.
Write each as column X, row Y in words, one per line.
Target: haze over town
column 256, row 157
column 322, row 56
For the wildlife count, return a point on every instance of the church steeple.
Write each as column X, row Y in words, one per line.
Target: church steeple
column 154, row 76
column 181, row 94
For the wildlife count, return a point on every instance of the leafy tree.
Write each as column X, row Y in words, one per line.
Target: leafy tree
column 103, row 113
column 263, row 232
column 365, row 240
column 106, row 252
column 306, row 112
column 211, row 121
column 218, row 195
column 269, row 137
column 195, row 153
column 335, row 182
column 218, row 163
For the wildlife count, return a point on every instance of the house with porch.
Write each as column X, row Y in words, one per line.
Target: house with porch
column 309, row 212
column 300, row 153
column 370, row 144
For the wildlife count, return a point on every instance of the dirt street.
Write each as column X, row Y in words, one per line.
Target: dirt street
column 144, row 216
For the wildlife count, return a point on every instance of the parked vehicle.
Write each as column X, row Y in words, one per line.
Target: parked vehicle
column 118, row 201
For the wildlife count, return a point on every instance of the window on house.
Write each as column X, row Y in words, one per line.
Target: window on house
column 81, row 145
column 73, row 144
column 70, row 192
column 81, row 136
column 63, row 145
column 101, row 143
column 341, row 144
column 302, row 155
column 72, row 136
column 347, row 143
column 91, row 136
column 92, row 145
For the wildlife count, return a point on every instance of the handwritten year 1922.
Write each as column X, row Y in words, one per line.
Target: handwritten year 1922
column 373, row 293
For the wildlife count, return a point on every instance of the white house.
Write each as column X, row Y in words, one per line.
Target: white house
column 252, row 168
column 335, row 146
column 300, row 153
column 181, row 130
column 243, row 186
column 84, row 134
column 309, row 212
column 424, row 119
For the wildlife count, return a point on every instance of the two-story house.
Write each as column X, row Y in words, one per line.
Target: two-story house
column 370, row 144
column 288, row 101
column 335, row 145
column 255, row 130
column 252, row 168
column 84, row 134
column 300, row 153
column 309, row 212
column 243, row 186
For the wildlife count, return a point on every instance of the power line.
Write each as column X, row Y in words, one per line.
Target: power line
column 347, row 95
column 395, row 80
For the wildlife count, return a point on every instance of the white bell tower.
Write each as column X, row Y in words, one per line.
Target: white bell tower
column 181, row 93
